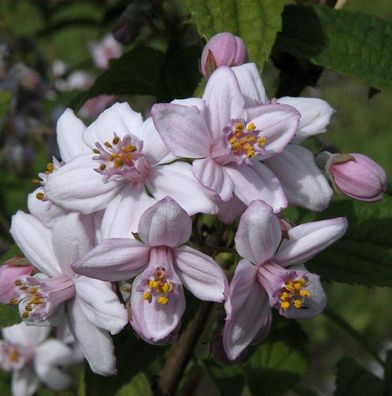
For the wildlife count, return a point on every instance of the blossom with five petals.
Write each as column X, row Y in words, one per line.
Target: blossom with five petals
column 271, row 274
column 162, row 267
column 228, row 140
column 26, row 351
column 92, row 307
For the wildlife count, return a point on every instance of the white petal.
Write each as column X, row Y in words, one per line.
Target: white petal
column 24, row 382
column 230, row 210
column 69, row 136
column 200, row 274
column 251, row 85
column 35, row 241
column 301, row 179
column 25, row 335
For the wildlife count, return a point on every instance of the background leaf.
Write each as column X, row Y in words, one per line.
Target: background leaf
column 139, row 386
column 9, row 315
column 351, row 43
column 255, row 21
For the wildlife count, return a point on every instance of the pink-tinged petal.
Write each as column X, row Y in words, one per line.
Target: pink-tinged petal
column 251, row 85
column 154, row 321
column 303, row 183
column 223, row 100
column 315, row 115
column 200, row 274
column 306, row 240
column 123, row 213
column 258, row 235
column 35, row 241
column 178, row 182
column 54, row 378
column 256, row 182
column 230, row 210
column 24, row 382
column 165, row 224
column 119, row 119
column 278, row 125
column 69, row 136
column 191, row 102
column 25, row 335
column 73, row 236
column 77, row 187
column 96, row 344
column 212, row 176
column 248, row 310
column 183, row 129
column 153, row 146
column 45, row 211
column 100, row 304
column 113, row 260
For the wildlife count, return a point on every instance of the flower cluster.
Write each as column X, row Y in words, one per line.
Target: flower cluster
column 119, row 206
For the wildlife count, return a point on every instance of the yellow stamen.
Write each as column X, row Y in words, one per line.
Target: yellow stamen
column 251, row 127
column 162, row 300
column 108, row 145
column 50, row 167
column 40, row 195
column 96, row 151
column 115, row 140
column 285, row 305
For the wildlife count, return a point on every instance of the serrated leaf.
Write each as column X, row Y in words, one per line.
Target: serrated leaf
column 139, row 386
column 279, row 362
column 255, row 21
column 353, row 379
column 351, row 43
column 364, row 255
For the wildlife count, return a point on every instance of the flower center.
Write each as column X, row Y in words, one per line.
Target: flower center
column 121, row 158
column 13, row 356
column 293, row 293
column 40, row 299
column 245, row 140
column 158, row 287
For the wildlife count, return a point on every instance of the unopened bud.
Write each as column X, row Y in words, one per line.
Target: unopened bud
column 355, row 175
column 224, row 49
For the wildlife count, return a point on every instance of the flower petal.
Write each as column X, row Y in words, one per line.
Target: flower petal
column 96, row 344
column 119, row 119
column 223, row 99
column 25, row 335
column 306, row 240
column 258, row 235
column 183, row 129
column 165, row 224
column 123, row 213
column 315, row 115
column 35, row 241
column 248, row 310
column 178, row 182
column 257, row 182
column 277, row 123
column 77, row 187
column 230, row 210
column 301, row 179
column 212, row 176
column 200, row 274
column 69, row 136
column 113, row 260
column 153, row 321
column 100, row 304
column 251, row 85
column 24, row 382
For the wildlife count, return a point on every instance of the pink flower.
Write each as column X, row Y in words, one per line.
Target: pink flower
column 271, row 274
column 125, row 158
column 9, row 272
column 223, row 49
column 162, row 267
column 228, row 141
column 105, row 50
column 30, row 356
column 303, row 183
column 357, row 176
column 92, row 307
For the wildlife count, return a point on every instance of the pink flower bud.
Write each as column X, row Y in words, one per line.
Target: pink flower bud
column 224, row 49
column 10, row 271
column 357, row 176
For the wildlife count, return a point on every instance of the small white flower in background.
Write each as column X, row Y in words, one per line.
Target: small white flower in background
column 31, row 357
column 105, row 50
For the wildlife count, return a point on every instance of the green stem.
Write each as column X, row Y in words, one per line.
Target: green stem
column 345, row 326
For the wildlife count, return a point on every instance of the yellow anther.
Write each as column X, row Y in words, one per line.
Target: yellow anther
column 153, row 284
column 40, row 195
column 18, row 282
column 147, row 295
column 298, row 304
column 102, row 167
column 34, row 290
column 239, row 126
column 36, row 181
column 108, row 145
column 285, row 305
column 115, row 140
column 284, row 296
column 50, row 167
column 261, row 141
column 24, row 287
column 167, row 287
column 118, row 162
column 14, row 301
column 251, row 127
column 25, row 314
column 96, row 151
column 304, row 293
column 162, row 300
column 29, row 308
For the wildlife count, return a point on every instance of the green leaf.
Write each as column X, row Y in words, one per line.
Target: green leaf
column 352, row 379
column 139, row 386
column 11, row 252
column 280, row 361
column 9, row 315
column 255, row 21
column 364, row 255
column 229, row 380
column 351, row 43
